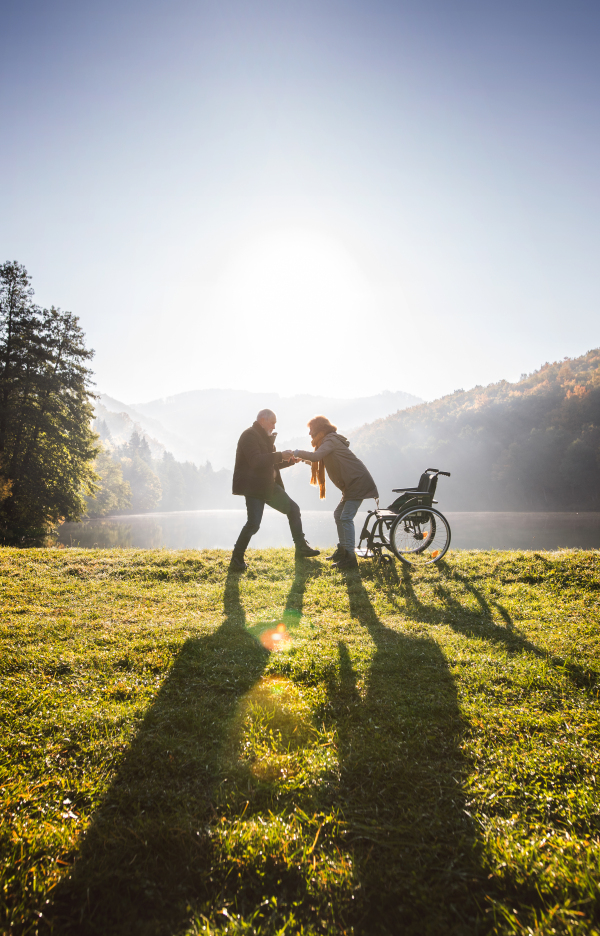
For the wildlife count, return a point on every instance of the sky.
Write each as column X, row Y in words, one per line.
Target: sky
column 321, row 197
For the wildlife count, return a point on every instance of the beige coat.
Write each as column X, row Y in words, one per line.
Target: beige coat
column 344, row 469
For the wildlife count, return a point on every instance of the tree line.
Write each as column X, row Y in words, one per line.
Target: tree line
column 131, row 480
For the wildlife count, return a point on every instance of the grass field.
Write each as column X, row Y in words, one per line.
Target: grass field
column 184, row 751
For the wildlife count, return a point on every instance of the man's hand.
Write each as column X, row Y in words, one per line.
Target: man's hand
column 288, row 456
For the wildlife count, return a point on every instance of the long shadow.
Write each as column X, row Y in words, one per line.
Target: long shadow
column 268, row 629
column 144, row 855
column 303, row 571
column 149, row 853
column 470, row 621
column 415, row 849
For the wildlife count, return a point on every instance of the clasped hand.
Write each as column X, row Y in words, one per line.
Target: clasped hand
column 289, row 457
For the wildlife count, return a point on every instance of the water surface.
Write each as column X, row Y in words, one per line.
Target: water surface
column 218, row 529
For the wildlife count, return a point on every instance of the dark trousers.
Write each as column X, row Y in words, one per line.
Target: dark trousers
column 255, row 506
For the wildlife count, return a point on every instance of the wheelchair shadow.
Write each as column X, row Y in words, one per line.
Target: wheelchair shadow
column 471, row 622
column 424, row 883
column 508, row 635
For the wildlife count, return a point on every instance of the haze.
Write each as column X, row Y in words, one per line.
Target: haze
column 328, row 198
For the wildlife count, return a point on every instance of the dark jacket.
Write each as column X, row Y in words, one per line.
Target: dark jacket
column 256, row 463
column 343, row 467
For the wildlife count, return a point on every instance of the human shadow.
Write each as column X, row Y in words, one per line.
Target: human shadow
column 150, row 855
column 401, row 783
column 144, row 855
column 304, row 571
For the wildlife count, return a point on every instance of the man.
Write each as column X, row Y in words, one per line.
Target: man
column 256, row 476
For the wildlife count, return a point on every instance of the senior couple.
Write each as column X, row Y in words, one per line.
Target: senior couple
column 257, row 477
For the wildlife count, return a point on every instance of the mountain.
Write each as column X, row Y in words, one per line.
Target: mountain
column 204, row 425
column 530, row 445
column 121, row 420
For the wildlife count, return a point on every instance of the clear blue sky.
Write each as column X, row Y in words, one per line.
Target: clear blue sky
column 267, row 195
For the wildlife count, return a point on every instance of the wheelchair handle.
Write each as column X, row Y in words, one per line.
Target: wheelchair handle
column 437, row 471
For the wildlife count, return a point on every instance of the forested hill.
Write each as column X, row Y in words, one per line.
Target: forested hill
column 531, row 445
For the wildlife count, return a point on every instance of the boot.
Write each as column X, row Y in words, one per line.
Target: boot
column 304, row 551
column 339, row 552
column 347, row 563
column 237, row 563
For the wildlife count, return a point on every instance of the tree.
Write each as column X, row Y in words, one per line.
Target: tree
column 175, row 495
column 113, row 494
column 47, row 446
column 138, row 445
column 145, row 486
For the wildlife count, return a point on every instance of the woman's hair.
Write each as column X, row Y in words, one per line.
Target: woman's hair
column 321, row 424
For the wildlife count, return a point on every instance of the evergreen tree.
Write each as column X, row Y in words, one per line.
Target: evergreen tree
column 114, row 493
column 47, row 445
column 137, row 465
column 138, row 445
column 101, row 427
column 175, row 493
column 145, row 486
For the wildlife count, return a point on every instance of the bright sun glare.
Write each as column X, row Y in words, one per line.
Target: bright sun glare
column 298, row 271
column 280, row 300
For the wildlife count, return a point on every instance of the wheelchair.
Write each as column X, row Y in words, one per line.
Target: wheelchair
column 411, row 527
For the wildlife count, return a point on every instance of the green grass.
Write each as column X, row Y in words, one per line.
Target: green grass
column 184, row 751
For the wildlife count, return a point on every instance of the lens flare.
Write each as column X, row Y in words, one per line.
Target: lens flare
column 275, row 638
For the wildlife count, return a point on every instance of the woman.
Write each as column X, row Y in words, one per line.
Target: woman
column 332, row 455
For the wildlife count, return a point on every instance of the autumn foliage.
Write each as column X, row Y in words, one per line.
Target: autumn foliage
column 531, row 445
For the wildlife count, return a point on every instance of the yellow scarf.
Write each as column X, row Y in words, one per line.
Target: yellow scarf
column 317, row 473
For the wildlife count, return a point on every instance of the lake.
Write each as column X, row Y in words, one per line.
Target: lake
column 218, row 529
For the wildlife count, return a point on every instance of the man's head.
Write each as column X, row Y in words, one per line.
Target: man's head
column 267, row 419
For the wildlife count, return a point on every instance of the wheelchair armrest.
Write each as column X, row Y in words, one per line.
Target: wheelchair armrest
column 404, row 490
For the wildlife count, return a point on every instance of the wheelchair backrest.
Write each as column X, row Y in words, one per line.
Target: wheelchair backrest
column 421, row 495
column 427, row 483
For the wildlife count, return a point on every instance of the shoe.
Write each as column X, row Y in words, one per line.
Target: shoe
column 304, row 551
column 237, row 564
column 347, row 563
column 337, row 555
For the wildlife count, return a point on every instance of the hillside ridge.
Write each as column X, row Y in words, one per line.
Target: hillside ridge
column 529, row 445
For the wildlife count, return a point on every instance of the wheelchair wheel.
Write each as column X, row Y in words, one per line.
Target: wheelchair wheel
column 420, row 536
